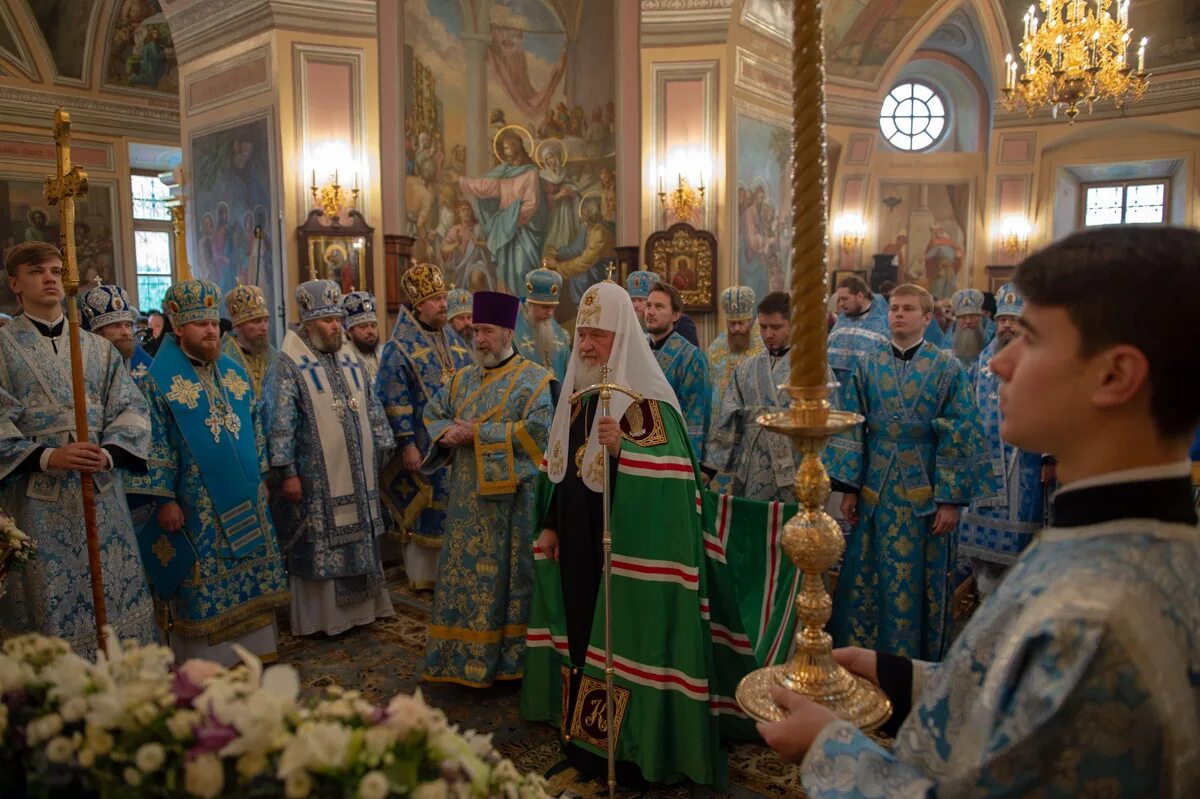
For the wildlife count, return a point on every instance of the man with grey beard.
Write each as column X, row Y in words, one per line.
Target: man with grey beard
column 328, row 437
column 249, row 343
column 538, row 335
column 969, row 333
column 490, row 424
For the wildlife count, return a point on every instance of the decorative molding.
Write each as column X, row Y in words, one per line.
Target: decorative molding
column 860, row 141
column 761, row 76
column 766, row 27
column 1006, row 154
column 860, row 112
column 21, row 148
column 240, row 66
column 21, row 60
column 354, row 58
column 33, row 107
column 679, row 22
column 209, row 25
column 708, row 74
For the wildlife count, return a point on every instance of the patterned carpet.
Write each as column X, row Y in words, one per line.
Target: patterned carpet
column 385, row 659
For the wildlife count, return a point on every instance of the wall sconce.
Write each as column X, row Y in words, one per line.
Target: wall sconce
column 852, row 230
column 683, row 201
column 332, row 197
column 1014, row 234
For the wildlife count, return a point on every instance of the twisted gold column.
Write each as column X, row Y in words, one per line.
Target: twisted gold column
column 812, row 539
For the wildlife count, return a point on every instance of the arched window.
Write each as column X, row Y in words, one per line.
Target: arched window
column 913, row 117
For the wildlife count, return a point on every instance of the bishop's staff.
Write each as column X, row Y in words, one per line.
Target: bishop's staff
column 605, row 390
column 61, row 189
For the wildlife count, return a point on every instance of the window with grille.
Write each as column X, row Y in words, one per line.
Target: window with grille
column 1128, row 203
column 153, row 240
column 913, row 117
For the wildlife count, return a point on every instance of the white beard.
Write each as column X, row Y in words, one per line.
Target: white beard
column 543, row 338
column 585, row 376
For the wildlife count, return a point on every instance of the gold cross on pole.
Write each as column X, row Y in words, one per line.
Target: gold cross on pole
column 61, row 189
column 609, row 277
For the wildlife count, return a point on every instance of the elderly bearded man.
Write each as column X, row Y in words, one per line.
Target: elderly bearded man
column 249, row 343
column 969, row 336
column 491, row 425
column 420, row 358
column 538, row 336
column 328, row 437
column 362, row 328
column 738, row 343
column 662, row 639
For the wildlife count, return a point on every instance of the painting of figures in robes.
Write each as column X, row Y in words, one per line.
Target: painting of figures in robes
column 926, row 226
column 493, row 185
column 763, row 231
column 141, row 53
column 861, row 35
column 26, row 216
column 1173, row 27
column 231, row 196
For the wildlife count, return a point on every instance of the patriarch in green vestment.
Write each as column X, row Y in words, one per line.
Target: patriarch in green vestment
column 666, row 720
column 490, row 425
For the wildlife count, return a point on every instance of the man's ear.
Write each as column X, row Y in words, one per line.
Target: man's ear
column 1121, row 373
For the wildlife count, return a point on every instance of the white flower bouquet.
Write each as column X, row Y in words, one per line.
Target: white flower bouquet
column 135, row 724
column 15, row 547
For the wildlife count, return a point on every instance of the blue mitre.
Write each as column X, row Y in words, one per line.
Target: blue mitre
column 319, row 299
column 1009, row 301
column 639, row 283
column 192, row 301
column 543, row 286
column 359, row 307
column 103, row 305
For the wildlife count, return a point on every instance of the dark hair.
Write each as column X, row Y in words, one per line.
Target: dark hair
column 672, row 292
column 29, row 253
column 856, row 285
column 887, row 287
column 776, row 302
column 989, row 302
column 1111, row 282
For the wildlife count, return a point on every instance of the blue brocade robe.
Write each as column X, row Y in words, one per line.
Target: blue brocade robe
column 853, row 337
column 686, row 369
column 921, row 446
column 52, row 593
column 763, row 463
column 410, row 374
column 525, row 340
column 329, row 534
column 1076, row 678
column 485, row 569
column 223, row 597
column 998, row 525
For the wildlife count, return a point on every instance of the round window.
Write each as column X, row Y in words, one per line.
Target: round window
column 913, row 117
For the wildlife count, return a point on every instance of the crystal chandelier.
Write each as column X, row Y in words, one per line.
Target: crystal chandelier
column 1080, row 54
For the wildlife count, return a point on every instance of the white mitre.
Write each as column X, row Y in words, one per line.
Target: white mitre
column 631, row 363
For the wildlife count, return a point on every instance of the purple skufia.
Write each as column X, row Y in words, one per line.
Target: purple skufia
column 185, row 690
column 495, row 308
column 212, row 736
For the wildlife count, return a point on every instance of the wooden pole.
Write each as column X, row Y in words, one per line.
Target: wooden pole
column 61, row 189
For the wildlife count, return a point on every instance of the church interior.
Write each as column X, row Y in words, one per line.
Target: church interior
column 351, row 141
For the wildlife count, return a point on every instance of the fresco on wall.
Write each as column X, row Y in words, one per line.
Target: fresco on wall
column 64, row 26
column 764, row 196
column 26, row 216
column 141, row 54
column 771, row 17
column 489, row 197
column 231, row 195
column 1172, row 25
column 926, row 226
column 861, row 35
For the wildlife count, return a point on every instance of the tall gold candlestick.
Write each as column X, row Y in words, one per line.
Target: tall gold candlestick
column 811, row 539
column 809, row 179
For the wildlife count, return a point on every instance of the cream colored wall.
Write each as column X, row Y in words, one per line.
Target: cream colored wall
column 292, row 183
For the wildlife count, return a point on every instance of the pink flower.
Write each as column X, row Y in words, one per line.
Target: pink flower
column 190, row 679
column 212, row 736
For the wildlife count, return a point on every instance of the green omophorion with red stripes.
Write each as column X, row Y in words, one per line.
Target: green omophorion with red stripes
column 702, row 594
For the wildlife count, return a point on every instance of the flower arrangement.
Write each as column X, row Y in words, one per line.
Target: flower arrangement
column 135, row 724
column 15, row 547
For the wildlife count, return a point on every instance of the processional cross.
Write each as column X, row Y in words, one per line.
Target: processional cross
column 61, row 189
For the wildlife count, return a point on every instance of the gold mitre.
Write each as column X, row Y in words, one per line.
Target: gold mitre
column 246, row 303
column 421, row 282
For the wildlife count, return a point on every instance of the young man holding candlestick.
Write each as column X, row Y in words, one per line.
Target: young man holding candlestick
column 1077, row 676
